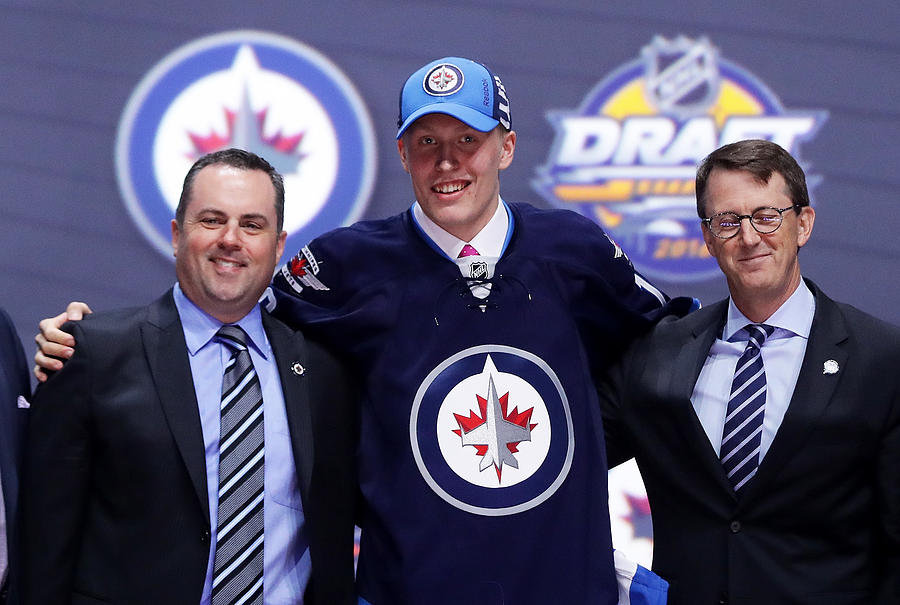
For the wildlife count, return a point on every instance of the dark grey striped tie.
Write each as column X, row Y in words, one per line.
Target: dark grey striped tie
column 742, row 435
column 238, row 567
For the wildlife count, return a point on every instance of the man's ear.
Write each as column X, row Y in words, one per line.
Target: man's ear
column 401, row 149
column 279, row 245
column 507, row 149
column 175, row 234
column 805, row 221
column 709, row 239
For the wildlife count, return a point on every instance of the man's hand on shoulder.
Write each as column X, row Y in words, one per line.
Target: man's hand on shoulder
column 53, row 344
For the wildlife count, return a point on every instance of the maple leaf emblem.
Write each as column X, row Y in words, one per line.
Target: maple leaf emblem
column 298, row 266
column 444, row 78
column 496, row 433
column 245, row 130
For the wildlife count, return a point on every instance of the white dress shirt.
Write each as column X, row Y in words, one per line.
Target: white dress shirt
column 490, row 243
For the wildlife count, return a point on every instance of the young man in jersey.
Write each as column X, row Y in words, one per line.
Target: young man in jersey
column 475, row 324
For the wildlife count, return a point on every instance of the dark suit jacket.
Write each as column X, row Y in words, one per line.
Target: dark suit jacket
column 820, row 522
column 115, row 496
column 14, row 382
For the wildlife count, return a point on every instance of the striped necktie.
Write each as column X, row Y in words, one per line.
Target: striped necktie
column 742, row 435
column 238, row 561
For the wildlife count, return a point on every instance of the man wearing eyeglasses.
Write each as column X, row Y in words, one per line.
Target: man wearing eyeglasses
column 766, row 426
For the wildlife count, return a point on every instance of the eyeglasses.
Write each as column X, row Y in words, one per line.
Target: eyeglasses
column 726, row 225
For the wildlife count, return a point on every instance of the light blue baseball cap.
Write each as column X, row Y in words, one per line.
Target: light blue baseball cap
column 458, row 87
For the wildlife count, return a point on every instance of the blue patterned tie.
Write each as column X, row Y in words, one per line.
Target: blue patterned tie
column 742, row 435
column 238, row 561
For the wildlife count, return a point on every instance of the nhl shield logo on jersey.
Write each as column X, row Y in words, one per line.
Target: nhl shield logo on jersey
column 261, row 92
column 627, row 157
column 491, row 430
column 478, row 270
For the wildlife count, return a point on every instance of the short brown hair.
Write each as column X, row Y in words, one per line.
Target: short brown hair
column 236, row 158
column 759, row 158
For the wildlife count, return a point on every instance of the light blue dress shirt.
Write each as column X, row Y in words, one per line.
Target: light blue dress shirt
column 286, row 566
column 782, row 355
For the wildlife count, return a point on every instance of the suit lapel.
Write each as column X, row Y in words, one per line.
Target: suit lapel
column 166, row 353
column 814, row 389
column 705, row 326
column 292, row 361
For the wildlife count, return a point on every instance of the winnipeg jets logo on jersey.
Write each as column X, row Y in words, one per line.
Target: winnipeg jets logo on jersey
column 491, row 430
column 495, row 434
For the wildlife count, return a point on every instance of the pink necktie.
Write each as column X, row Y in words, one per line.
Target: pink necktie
column 467, row 251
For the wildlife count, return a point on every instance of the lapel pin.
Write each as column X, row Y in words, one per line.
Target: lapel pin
column 830, row 367
column 298, row 369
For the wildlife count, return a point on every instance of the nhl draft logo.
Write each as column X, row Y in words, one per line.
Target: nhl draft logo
column 257, row 91
column 627, row 157
column 491, row 430
column 443, row 80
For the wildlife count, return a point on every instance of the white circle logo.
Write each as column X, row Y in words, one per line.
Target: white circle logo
column 443, row 80
column 491, row 430
column 256, row 91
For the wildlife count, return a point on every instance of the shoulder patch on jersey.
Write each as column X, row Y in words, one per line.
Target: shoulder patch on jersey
column 619, row 251
column 301, row 271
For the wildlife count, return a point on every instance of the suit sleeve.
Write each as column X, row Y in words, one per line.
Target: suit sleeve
column 888, row 478
column 14, row 382
column 56, row 479
column 611, row 391
column 16, row 367
column 335, row 511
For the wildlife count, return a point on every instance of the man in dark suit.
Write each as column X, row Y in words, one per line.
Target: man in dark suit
column 14, row 384
column 196, row 450
column 766, row 426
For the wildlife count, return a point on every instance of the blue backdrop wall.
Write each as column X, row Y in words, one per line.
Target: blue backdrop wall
column 68, row 71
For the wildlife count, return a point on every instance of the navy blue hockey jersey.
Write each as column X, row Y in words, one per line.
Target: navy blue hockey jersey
column 481, row 456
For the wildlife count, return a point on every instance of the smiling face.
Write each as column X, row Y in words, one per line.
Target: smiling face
column 762, row 269
column 455, row 171
column 228, row 245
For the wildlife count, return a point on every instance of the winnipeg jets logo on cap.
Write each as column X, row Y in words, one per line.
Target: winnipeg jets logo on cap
column 491, row 430
column 443, row 80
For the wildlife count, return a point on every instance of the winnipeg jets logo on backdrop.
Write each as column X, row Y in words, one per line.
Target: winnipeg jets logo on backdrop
column 256, row 91
column 491, row 430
